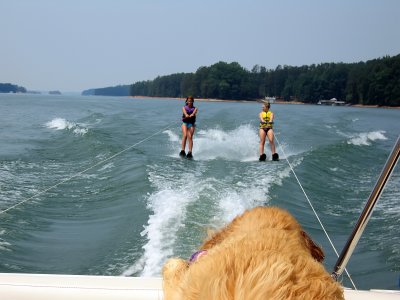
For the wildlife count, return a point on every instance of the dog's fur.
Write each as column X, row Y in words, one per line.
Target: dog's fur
column 262, row 254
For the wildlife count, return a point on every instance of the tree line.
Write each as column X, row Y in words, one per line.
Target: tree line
column 11, row 88
column 119, row 90
column 374, row 82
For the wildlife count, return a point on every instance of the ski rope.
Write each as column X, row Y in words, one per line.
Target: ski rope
column 85, row 170
column 312, row 207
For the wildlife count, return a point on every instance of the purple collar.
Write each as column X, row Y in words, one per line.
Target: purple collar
column 195, row 256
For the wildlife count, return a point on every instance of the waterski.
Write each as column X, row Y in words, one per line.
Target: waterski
column 275, row 157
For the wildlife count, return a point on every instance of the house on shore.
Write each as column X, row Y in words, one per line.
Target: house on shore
column 270, row 99
column 331, row 102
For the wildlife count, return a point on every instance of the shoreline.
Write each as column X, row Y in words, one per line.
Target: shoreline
column 196, row 99
column 259, row 101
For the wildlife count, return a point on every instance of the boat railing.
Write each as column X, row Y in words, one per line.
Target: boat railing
column 367, row 211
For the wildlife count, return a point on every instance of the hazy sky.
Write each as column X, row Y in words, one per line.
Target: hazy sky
column 72, row 45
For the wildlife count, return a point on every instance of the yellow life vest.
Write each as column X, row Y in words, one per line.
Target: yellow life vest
column 266, row 116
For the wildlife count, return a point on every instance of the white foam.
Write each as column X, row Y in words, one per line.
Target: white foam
column 173, row 137
column 365, row 138
column 80, row 131
column 4, row 246
column 169, row 209
column 172, row 202
column 234, row 203
column 62, row 124
column 135, row 268
column 59, row 124
column 106, row 167
column 168, row 205
column 239, row 144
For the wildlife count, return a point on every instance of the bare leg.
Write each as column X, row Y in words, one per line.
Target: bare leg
column 190, row 137
column 262, row 140
column 184, row 136
column 270, row 135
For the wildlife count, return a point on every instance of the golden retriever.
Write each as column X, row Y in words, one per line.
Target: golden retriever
column 262, row 254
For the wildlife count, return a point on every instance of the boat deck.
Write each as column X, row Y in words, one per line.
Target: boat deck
column 63, row 287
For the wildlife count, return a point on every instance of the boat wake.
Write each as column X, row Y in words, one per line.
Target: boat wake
column 62, row 124
column 365, row 138
column 190, row 197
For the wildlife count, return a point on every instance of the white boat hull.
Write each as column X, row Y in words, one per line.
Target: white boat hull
column 62, row 287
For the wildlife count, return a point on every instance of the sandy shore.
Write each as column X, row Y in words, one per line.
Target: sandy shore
column 375, row 106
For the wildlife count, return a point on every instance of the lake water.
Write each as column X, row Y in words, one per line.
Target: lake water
column 99, row 187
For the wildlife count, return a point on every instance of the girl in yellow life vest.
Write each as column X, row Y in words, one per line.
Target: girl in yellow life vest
column 266, row 130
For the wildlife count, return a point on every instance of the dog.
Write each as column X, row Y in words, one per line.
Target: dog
column 262, row 254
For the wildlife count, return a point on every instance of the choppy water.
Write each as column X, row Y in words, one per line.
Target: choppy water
column 127, row 214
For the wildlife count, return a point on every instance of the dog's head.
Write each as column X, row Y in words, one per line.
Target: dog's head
column 261, row 219
column 262, row 254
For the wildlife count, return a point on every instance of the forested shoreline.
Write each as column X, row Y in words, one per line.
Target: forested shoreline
column 11, row 88
column 375, row 82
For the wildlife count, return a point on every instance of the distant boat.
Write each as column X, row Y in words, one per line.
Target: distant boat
column 331, row 102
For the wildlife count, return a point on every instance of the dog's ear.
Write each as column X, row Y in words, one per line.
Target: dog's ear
column 315, row 250
column 213, row 238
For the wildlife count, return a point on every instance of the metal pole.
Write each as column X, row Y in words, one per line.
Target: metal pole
column 366, row 213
